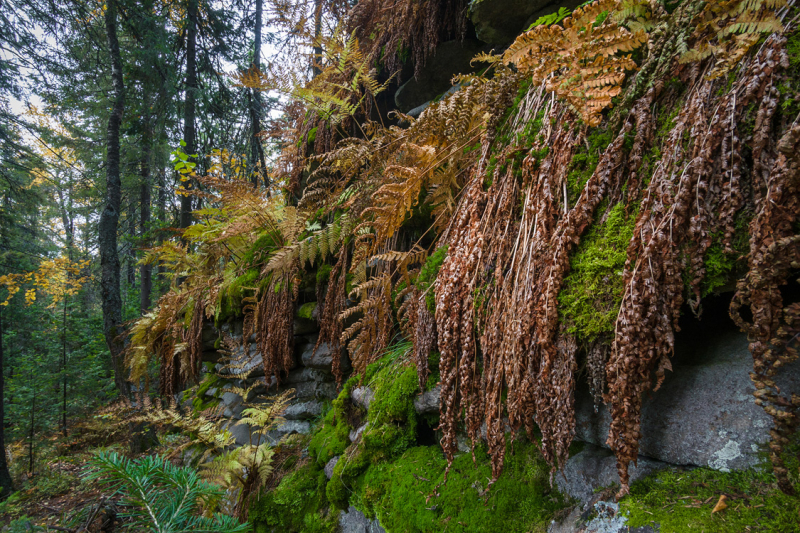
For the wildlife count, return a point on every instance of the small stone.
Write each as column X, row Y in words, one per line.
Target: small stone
column 231, row 399
column 355, row 434
column 241, row 364
column 233, row 412
column 330, row 466
column 304, row 375
column 596, row 467
column 354, row 521
column 289, row 427
column 303, row 411
column 362, row 397
column 428, row 401
column 315, row 390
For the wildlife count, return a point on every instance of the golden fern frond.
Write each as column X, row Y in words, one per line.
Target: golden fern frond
column 568, row 56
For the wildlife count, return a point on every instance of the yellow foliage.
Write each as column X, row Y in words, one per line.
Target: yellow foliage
column 58, row 278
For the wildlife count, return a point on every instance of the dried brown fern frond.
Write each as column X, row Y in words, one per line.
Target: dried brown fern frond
column 692, row 194
column 330, row 328
column 579, row 59
column 274, row 324
column 775, row 326
column 367, row 338
column 727, row 29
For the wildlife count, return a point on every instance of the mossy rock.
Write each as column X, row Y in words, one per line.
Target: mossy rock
column 332, row 436
column 297, row 504
column 409, row 493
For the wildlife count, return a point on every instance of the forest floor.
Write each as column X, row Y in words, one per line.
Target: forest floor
column 55, row 497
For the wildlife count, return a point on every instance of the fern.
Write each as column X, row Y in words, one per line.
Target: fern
column 728, row 29
column 579, row 59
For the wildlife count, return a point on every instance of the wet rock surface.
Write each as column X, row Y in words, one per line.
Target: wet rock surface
column 303, row 410
column 435, row 78
column 354, row 521
column 428, row 401
column 597, row 515
column 329, row 466
column 362, row 397
column 596, row 467
column 704, row 414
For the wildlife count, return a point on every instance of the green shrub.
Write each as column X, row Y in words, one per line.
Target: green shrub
column 161, row 497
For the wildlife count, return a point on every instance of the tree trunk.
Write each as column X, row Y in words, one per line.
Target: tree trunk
column 189, row 105
column 109, row 218
column 144, row 220
column 32, row 428
column 64, row 369
column 259, row 164
column 131, row 254
column 317, row 57
column 161, row 271
column 6, row 484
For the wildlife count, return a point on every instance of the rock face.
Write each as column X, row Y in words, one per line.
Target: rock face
column 329, row 466
column 704, row 414
column 498, row 22
column 597, row 516
column 362, row 397
column 250, row 363
column 596, row 467
column 354, row 521
column 322, row 359
column 435, row 78
column 428, row 401
column 303, row 411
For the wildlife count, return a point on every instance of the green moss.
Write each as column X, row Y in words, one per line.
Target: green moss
column 427, row 275
column 298, row 504
column 592, row 292
column 264, row 244
column 402, row 495
column 306, row 310
column 347, row 477
column 722, row 268
column 323, row 273
column 585, row 161
column 332, row 436
column 682, row 501
column 392, row 420
column 231, row 298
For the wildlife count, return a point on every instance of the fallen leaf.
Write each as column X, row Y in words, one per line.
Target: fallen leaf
column 720, row 504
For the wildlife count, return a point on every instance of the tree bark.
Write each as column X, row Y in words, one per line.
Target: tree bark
column 189, row 133
column 144, row 220
column 6, row 483
column 64, row 369
column 317, row 57
column 131, row 253
column 258, row 161
column 109, row 218
column 161, row 270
